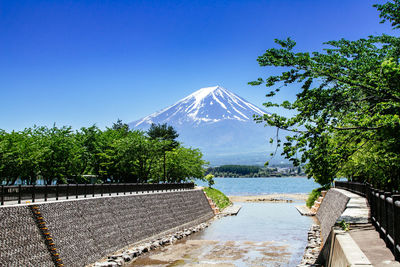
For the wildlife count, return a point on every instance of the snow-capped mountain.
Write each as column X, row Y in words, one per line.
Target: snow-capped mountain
column 218, row 122
column 207, row 105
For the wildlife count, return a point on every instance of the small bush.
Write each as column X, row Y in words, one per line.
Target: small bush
column 219, row 198
column 210, row 179
column 314, row 195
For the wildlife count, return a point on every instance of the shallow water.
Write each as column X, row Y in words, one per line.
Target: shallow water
column 262, row 234
column 262, row 186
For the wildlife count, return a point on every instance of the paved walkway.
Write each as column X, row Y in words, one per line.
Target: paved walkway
column 367, row 238
column 357, row 213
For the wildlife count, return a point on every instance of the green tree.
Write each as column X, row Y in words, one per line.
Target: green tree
column 134, row 157
column 9, row 156
column 167, row 135
column 183, row 163
column 120, row 126
column 56, row 159
column 349, row 103
column 92, row 146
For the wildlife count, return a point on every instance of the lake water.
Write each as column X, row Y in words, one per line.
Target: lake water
column 262, row 234
column 262, row 186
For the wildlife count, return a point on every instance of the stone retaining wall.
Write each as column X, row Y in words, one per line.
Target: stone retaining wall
column 86, row 230
column 331, row 209
column 21, row 243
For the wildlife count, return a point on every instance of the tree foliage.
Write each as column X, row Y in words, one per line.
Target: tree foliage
column 116, row 154
column 347, row 118
column 166, row 135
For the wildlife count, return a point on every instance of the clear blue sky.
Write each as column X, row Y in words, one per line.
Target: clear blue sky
column 80, row 63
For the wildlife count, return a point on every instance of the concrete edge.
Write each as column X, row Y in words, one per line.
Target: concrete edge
column 305, row 211
column 342, row 245
column 231, row 210
column 351, row 251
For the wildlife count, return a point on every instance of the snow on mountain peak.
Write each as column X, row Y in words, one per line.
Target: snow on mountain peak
column 206, row 105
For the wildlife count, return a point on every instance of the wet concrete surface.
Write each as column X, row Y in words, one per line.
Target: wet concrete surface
column 262, row 234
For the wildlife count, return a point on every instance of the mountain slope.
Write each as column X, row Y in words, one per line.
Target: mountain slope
column 218, row 122
column 207, row 105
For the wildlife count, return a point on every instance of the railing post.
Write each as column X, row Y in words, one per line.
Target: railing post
column 386, row 207
column 101, row 187
column 33, row 193
column 19, row 194
column 67, row 194
column 2, row 195
column 371, row 200
column 109, row 189
column 56, row 191
column 124, row 188
column 396, row 228
column 45, row 192
column 85, row 187
column 93, row 191
column 76, row 190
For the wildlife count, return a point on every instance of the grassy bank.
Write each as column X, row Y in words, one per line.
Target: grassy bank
column 314, row 195
column 219, row 198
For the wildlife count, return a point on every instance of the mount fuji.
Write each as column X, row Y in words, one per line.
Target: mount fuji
column 219, row 123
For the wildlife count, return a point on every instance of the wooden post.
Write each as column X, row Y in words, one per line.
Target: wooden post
column 396, row 227
column 33, row 193
column 56, row 191
column 19, row 194
column 386, row 207
column 2, row 195
column 85, row 187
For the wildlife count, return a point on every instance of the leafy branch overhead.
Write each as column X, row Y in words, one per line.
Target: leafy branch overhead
column 347, row 108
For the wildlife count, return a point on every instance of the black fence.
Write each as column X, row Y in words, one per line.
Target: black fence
column 385, row 212
column 34, row 193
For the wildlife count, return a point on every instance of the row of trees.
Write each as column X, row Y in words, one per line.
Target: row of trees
column 237, row 169
column 251, row 171
column 116, row 154
column 347, row 120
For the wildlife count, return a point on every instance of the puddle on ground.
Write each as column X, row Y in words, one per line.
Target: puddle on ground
column 262, row 234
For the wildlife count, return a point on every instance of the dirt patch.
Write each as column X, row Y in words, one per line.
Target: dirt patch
column 217, row 253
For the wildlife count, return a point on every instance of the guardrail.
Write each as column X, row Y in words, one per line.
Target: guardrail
column 18, row 193
column 385, row 212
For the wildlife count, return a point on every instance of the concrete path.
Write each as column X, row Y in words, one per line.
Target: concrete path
column 367, row 238
column 231, row 210
column 304, row 210
column 357, row 214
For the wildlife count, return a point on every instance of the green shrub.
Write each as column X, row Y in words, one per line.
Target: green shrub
column 314, row 195
column 210, row 179
column 219, row 198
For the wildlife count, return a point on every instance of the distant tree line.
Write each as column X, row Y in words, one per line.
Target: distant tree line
column 116, row 154
column 250, row 171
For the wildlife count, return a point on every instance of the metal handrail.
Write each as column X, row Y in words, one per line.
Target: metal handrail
column 19, row 193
